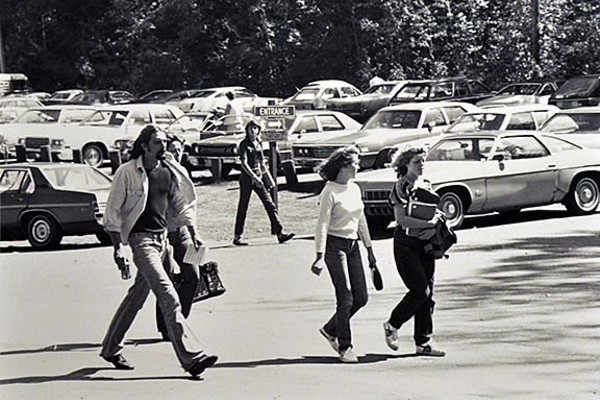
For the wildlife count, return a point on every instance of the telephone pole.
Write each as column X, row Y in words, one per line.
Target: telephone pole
column 535, row 32
column 2, row 69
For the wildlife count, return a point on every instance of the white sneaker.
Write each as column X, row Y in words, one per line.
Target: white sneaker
column 348, row 356
column 391, row 336
column 333, row 342
column 426, row 350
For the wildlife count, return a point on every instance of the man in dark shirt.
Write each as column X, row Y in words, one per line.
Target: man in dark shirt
column 142, row 191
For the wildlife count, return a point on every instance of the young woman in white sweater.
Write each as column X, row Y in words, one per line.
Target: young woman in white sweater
column 341, row 224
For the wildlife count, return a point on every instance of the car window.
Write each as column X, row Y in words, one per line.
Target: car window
column 540, row 117
column 436, row 116
column 381, row 89
column 521, row 121
column 110, row 118
column 307, row 93
column 573, row 123
column 39, row 116
column 520, row 147
column 80, row 177
column 394, row 119
column 243, row 94
column 454, row 112
column 461, row 149
column 462, row 90
column 347, row 91
column 442, row 90
column 477, row 88
column 547, row 89
column 308, row 124
column 330, row 93
column 12, row 180
column 477, row 122
column 140, row 118
column 412, row 92
column 163, row 117
column 557, row 145
column 329, row 123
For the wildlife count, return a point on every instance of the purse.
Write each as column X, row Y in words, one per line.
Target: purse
column 376, row 277
column 441, row 242
column 209, row 284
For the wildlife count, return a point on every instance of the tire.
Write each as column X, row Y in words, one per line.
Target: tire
column 43, row 232
column 584, row 196
column 453, row 206
column 104, row 238
column 225, row 170
column 92, row 155
column 378, row 224
column 510, row 213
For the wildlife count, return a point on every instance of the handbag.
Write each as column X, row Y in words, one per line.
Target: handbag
column 209, row 283
column 376, row 277
column 443, row 239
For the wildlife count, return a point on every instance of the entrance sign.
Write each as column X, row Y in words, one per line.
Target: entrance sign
column 275, row 111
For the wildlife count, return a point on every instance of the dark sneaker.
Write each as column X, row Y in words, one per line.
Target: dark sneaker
column 284, row 237
column 391, row 336
column 331, row 339
column 119, row 362
column 239, row 242
column 427, row 350
column 201, row 364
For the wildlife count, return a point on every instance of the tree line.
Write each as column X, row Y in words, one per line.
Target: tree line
column 276, row 46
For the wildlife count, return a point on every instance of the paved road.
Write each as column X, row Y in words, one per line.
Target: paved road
column 518, row 314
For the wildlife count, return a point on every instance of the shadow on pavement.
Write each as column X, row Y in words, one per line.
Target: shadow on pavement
column 62, row 247
column 85, row 374
column 76, row 346
column 366, row 359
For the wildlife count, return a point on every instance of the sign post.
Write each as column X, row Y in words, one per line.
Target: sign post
column 274, row 132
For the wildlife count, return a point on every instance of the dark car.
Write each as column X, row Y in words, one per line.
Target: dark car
column 43, row 202
column 581, row 91
column 455, row 89
column 102, row 97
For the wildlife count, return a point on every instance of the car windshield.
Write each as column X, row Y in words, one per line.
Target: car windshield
column 384, row 88
column 413, row 92
column 39, row 116
column 461, row 149
column 394, row 119
column 203, row 93
column 186, row 122
column 577, row 87
column 107, row 118
column 307, row 93
column 477, row 122
column 60, row 96
column 573, row 123
column 20, row 103
column 522, row 88
column 74, row 177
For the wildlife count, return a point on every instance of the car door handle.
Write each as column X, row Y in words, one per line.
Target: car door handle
column 551, row 166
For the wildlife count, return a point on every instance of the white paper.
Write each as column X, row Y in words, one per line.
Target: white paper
column 195, row 256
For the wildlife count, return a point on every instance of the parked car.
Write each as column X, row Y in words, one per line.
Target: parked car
column 317, row 95
column 578, row 125
column 414, row 123
column 209, row 99
column 456, row 89
column 581, row 91
column 62, row 96
column 155, row 96
column 43, row 202
column 503, row 171
column 521, row 93
column 510, row 118
column 303, row 126
column 102, row 97
column 363, row 106
column 96, row 134
column 12, row 107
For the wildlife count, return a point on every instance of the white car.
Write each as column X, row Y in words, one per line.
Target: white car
column 62, row 96
column 316, row 95
column 521, row 93
column 213, row 98
column 12, row 107
column 579, row 125
column 96, row 134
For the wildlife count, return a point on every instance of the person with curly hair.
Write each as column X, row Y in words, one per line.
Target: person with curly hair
column 415, row 266
column 340, row 225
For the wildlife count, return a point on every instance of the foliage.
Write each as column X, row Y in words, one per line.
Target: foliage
column 276, row 46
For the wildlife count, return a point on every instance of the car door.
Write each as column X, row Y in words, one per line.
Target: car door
column 434, row 124
column 525, row 174
column 16, row 187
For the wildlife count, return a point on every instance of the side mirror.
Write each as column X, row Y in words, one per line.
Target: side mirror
column 430, row 126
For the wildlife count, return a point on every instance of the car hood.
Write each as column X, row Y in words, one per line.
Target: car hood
column 361, row 136
column 509, row 99
column 224, row 140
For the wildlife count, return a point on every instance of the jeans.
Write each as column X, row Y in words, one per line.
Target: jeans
column 149, row 251
column 344, row 263
column 181, row 241
column 416, row 268
column 246, row 188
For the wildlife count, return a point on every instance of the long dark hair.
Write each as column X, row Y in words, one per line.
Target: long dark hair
column 143, row 138
column 401, row 160
column 339, row 159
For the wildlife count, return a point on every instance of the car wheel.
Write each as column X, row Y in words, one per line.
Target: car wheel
column 92, row 155
column 43, row 232
column 584, row 196
column 378, row 224
column 104, row 238
column 452, row 205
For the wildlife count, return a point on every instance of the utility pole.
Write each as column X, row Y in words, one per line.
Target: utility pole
column 2, row 69
column 535, row 32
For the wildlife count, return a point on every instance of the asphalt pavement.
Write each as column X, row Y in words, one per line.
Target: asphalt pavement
column 517, row 313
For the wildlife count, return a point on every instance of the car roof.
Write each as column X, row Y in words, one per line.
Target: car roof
column 143, row 106
column 495, row 134
column 60, row 107
column 222, row 88
column 514, row 109
column 426, row 105
column 580, row 110
column 329, row 82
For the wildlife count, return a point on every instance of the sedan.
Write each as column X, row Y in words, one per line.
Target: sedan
column 417, row 124
column 521, row 93
column 579, row 125
column 456, row 89
column 496, row 171
column 43, row 202
column 215, row 98
column 318, row 94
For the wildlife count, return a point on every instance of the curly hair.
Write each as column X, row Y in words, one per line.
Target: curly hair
column 339, row 159
column 143, row 138
column 402, row 158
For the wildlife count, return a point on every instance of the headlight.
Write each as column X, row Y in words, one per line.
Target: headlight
column 57, row 143
column 234, row 150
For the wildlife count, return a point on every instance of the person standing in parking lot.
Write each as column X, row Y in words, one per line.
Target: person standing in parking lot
column 234, row 110
column 181, row 242
column 415, row 266
column 142, row 191
column 255, row 177
column 340, row 225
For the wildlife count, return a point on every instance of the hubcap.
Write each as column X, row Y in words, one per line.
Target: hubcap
column 40, row 231
column 93, row 156
column 586, row 194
